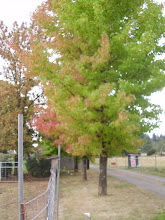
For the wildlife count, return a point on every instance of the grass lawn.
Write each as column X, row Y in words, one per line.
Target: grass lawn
column 160, row 217
column 9, row 196
column 123, row 202
column 150, row 170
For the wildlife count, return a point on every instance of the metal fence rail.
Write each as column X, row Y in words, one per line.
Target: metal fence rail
column 41, row 207
column 8, row 171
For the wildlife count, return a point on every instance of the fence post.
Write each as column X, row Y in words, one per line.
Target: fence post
column 23, row 211
column 58, row 180
column 20, row 162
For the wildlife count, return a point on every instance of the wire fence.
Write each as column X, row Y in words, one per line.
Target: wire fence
column 41, row 207
column 8, row 171
column 143, row 162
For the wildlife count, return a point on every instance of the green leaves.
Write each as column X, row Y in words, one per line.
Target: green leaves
column 105, row 72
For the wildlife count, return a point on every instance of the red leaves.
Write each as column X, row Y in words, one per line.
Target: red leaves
column 46, row 121
column 103, row 52
column 161, row 6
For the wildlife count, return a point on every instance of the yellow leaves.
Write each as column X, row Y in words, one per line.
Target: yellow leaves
column 74, row 103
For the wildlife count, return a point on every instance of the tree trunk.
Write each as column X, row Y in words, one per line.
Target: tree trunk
column 75, row 164
column 102, row 189
column 87, row 164
column 84, row 168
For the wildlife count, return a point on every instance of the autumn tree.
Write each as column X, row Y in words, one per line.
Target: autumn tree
column 16, row 96
column 53, row 132
column 100, row 57
column 45, row 121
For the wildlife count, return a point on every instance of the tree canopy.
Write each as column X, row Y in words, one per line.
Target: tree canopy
column 100, row 59
column 15, row 89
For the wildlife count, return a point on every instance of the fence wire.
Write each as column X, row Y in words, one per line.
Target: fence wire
column 155, row 161
column 8, row 171
column 41, row 207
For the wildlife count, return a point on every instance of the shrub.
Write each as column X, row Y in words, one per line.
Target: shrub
column 151, row 152
column 38, row 167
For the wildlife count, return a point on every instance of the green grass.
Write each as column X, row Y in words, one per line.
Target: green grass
column 159, row 217
column 151, row 171
column 123, row 185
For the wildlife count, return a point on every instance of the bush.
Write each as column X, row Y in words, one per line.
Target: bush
column 38, row 167
column 151, row 152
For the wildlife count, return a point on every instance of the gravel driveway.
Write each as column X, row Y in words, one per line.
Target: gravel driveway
column 152, row 183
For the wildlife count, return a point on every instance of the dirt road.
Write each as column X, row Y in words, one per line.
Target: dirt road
column 152, row 183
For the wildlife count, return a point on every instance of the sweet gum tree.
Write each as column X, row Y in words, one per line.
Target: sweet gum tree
column 54, row 133
column 100, row 57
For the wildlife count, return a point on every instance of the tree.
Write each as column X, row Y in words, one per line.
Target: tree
column 160, row 146
column 156, row 143
column 15, row 89
column 155, row 137
column 48, row 124
column 147, row 146
column 11, row 104
column 151, row 152
column 148, row 143
column 104, row 73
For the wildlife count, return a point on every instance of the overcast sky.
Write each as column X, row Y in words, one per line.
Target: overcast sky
column 21, row 10
column 17, row 10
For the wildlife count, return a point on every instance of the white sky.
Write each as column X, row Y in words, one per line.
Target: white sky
column 21, row 10
column 17, row 10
